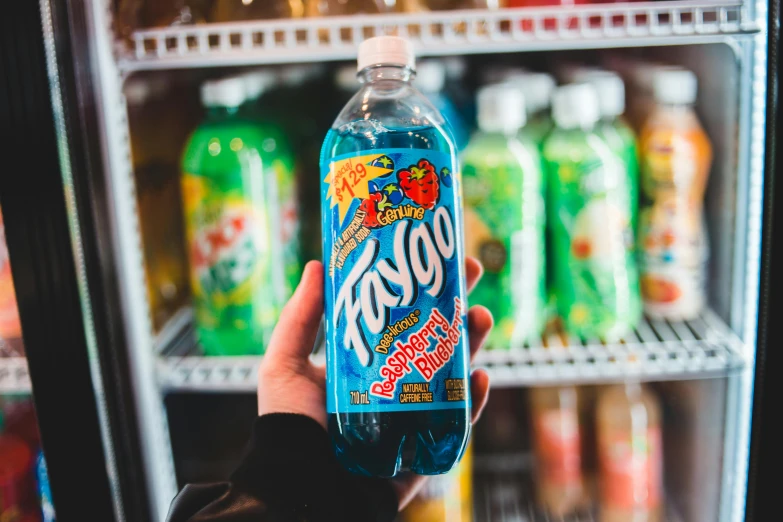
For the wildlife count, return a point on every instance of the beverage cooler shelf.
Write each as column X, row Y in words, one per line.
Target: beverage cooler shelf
column 503, row 491
column 14, row 377
column 435, row 33
column 657, row 351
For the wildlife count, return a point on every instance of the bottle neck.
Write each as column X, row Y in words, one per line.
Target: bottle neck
column 378, row 73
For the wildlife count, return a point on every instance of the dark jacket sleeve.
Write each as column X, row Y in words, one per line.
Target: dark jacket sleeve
column 289, row 473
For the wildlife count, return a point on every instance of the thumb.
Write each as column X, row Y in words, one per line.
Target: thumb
column 296, row 330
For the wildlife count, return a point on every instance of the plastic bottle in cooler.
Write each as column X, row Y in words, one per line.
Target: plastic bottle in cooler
column 430, row 81
column 229, row 186
column 630, row 454
column 557, row 445
column 10, row 327
column 537, row 88
column 17, row 488
column 236, row 10
column 504, row 217
column 278, row 146
column 158, row 130
column 675, row 164
column 613, row 129
column 446, row 498
column 594, row 272
column 397, row 363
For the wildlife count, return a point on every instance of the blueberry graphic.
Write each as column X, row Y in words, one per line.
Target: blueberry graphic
column 373, row 187
column 445, row 177
column 394, row 193
column 384, row 162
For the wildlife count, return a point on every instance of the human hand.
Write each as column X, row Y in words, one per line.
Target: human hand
column 287, row 366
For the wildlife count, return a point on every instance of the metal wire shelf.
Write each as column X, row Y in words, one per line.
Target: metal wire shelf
column 435, row 33
column 657, row 351
column 14, row 377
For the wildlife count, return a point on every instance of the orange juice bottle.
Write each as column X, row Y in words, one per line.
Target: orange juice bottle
column 557, row 440
column 629, row 454
column 675, row 157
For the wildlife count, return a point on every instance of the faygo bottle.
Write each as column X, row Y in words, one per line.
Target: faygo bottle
column 396, row 330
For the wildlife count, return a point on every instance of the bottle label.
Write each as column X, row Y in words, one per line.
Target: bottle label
column 229, row 242
column 594, row 269
column 558, row 449
column 631, row 470
column 396, row 331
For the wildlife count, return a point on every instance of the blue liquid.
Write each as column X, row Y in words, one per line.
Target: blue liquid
column 380, row 444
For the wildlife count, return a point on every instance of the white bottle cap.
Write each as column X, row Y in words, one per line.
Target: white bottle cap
column 386, row 50
column 675, row 86
column 346, row 80
column 501, row 108
column 537, row 88
column 257, row 83
column 455, row 67
column 228, row 92
column 137, row 92
column 501, row 73
column 430, row 76
column 610, row 90
column 569, row 72
column 575, row 106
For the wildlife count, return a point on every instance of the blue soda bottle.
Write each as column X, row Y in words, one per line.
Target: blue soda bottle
column 396, row 325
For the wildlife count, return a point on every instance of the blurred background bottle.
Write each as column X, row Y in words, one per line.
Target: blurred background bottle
column 140, row 14
column 630, row 454
column 593, row 267
column 445, row 498
column 11, row 344
column 504, row 217
column 675, row 157
column 557, row 446
column 229, row 188
column 613, row 129
column 17, row 478
column 160, row 126
column 236, row 10
column 431, row 80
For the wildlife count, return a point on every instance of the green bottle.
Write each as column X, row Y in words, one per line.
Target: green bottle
column 594, row 274
column 504, row 217
column 229, row 186
column 614, row 130
column 537, row 89
column 276, row 143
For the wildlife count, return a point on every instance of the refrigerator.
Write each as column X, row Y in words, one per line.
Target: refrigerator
column 98, row 99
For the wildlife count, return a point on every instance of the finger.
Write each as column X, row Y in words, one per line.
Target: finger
column 406, row 485
column 479, row 325
column 296, row 330
column 479, row 392
column 473, row 271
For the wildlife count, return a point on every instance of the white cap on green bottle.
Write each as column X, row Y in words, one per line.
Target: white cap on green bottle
column 575, row 106
column 610, row 90
column 257, row 83
column 228, row 92
column 430, row 76
column 501, row 108
column 386, row 50
column 537, row 88
column 346, row 79
column 675, row 86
